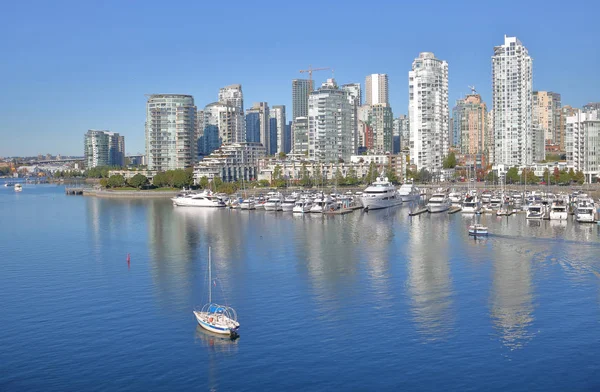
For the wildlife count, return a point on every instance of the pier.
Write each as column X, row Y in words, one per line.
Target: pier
column 74, row 191
column 418, row 211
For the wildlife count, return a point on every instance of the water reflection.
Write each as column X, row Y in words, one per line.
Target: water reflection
column 218, row 347
column 429, row 280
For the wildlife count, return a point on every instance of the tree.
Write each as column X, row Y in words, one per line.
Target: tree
column 282, row 155
column 371, row 174
column 449, row 161
column 564, row 178
column 339, row 177
column 104, row 182
column 138, row 181
column 203, row 182
column 546, row 176
column 263, row 183
column 423, row 175
column 390, row 173
column 179, row 178
column 492, row 177
column 304, row 176
column 159, row 180
column 512, row 176
column 531, row 177
column 318, row 175
column 276, row 178
column 556, row 175
column 116, row 181
column 579, row 177
column 571, row 175
column 351, row 177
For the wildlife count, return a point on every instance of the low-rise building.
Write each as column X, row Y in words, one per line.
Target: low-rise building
column 232, row 162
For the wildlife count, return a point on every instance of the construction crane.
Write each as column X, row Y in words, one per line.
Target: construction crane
column 473, row 91
column 310, row 70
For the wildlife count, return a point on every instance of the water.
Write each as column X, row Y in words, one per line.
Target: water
column 354, row 302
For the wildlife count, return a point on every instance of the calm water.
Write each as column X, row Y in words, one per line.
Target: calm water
column 355, row 302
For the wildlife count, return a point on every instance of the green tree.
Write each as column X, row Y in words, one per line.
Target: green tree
column 512, row 176
column 492, row 177
column 449, row 161
column 579, row 177
column 371, row 174
column 390, row 173
column 204, row 183
column 282, row 155
column 564, row 178
column 351, row 177
column 159, row 180
column 531, row 177
column 116, row 181
column 189, row 176
column 263, row 183
column 546, row 176
column 138, row 181
column 318, row 175
column 305, row 176
column 179, row 178
column 556, row 175
column 339, row 177
column 276, row 178
column 424, row 175
column 104, row 182
column 571, row 175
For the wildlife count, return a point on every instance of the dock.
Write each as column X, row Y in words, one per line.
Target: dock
column 454, row 210
column 74, row 191
column 418, row 211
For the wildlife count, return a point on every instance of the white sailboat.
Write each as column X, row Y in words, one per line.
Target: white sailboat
column 217, row 318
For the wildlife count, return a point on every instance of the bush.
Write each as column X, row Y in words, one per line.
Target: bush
column 138, row 181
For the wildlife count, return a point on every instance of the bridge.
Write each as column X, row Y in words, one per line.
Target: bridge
column 62, row 160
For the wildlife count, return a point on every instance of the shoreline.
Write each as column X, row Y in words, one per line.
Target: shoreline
column 130, row 194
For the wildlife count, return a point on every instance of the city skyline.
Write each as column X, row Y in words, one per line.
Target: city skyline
column 60, row 85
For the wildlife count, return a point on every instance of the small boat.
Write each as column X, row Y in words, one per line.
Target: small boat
column 438, row 202
column 558, row 211
column 288, row 203
column 9, row 184
column 18, row 188
column 247, row 204
column 217, row 318
column 302, row 206
column 478, row 229
column 535, row 211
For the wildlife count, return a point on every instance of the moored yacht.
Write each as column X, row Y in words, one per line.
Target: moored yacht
column 585, row 211
column 302, row 206
column 273, row 204
column 409, row 192
column 203, row 199
column 247, row 204
column 380, row 194
column 471, row 205
column 535, row 211
column 558, row 210
column 18, row 188
column 438, row 202
column 288, row 203
column 322, row 203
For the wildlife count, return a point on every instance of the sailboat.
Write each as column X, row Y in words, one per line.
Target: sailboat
column 217, row 318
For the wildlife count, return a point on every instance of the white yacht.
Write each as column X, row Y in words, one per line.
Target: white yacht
column 455, row 198
column 496, row 202
column 535, row 211
column 322, row 203
column 409, row 192
column 248, row 204
column 438, row 202
column 288, row 204
column 471, row 205
column 302, row 206
column 380, row 194
column 203, row 199
column 585, row 212
column 273, row 204
column 558, row 210
column 18, row 188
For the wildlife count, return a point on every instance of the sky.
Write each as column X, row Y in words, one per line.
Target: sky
column 70, row 66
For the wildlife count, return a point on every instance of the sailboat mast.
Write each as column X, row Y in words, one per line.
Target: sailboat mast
column 209, row 279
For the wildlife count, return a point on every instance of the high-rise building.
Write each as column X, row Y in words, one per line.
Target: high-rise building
column 512, row 92
column 233, row 97
column 565, row 112
column 301, row 88
column 402, row 131
column 264, row 133
column 273, row 132
column 103, row 148
column 489, row 137
column 226, row 118
column 382, row 124
column 288, row 137
column 329, row 124
column 376, row 86
column 253, row 126
column 277, row 112
column 470, row 121
column 354, row 95
column 546, row 114
column 428, row 111
column 300, row 132
column 583, row 142
column 171, row 137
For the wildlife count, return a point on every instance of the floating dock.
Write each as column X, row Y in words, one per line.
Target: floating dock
column 418, row 211
column 454, row 210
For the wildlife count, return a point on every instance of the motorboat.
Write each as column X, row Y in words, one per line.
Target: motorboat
column 455, row 198
column 322, row 203
column 495, row 202
column 380, row 194
column 438, row 202
column 203, row 199
column 288, row 204
column 535, row 211
column 18, row 188
column 217, row 318
column 471, row 205
column 486, row 197
column 302, row 206
column 248, row 204
column 478, row 229
column 585, row 212
column 9, row 184
column 273, row 204
column 558, row 210
column 409, row 192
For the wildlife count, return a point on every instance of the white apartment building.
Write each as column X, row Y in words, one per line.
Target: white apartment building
column 226, row 119
column 428, row 112
column 376, row 86
column 583, row 143
column 330, row 133
column 232, row 162
column 171, row 138
column 300, row 136
column 278, row 113
column 233, row 96
column 512, row 94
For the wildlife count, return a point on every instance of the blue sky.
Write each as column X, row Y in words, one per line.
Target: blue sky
column 68, row 66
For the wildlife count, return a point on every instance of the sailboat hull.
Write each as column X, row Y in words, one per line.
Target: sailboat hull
column 221, row 328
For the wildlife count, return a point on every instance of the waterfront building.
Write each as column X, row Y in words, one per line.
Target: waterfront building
column 565, row 112
column 354, row 95
column 490, row 136
column 376, row 86
column 288, row 137
column 253, row 125
column 209, row 141
column 428, row 112
column 512, row 94
column 329, row 124
column 583, row 143
column 264, row 133
column 103, row 148
column 226, row 118
column 171, row 137
column 470, row 125
column 273, row 131
column 277, row 112
column 546, row 114
column 301, row 89
column 381, row 122
column 300, row 131
column 231, row 162
column 232, row 97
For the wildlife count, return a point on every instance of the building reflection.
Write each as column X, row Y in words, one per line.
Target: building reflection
column 429, row 277
column 512, row 294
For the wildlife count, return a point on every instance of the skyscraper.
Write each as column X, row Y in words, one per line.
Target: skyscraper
column 103, row 148
column 278, row 113
column 301, row 88
column 401, row 133
column 233, row 97
column 288, row 137
column 376, row 86
column 546, row 114
column 512, row 103
column 273, row 132
column 354, row 95
column 470, row 120
column 428, row 111
column 171, row 137
column 300, row 132
column 329, row 124
column 583, row 142
column 225, row 117
column 262, row 109
column 382, row 124
column 253, row 125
